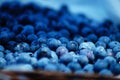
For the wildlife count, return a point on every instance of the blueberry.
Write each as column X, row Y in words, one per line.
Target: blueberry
column 100, row 43
column 52, row 34
column 110, row 52
column 2, row 48
column 28, row 29
column 102, row 31
column 53, row 43
column 110, row 59
column 74, row 66
column 112, row 44
column 64, row 40
column 9, row 56
column 63, row 68
column 117, row 56
column 40, row 26
column 11, row 45
column 5, row 29
column 41, row 34
column 54, row 57
column 87, row 45
column 17, row 28
column 100, row 52
column 81, row 72
column 50, row 67
column 42, row 52
column 115, row 68
column 4, row 37
column 104, row 39
column 88, row 67
column 21, row 38
column 18, row 67
column 66, row 58
column 87, row 53
column 23, row 58
column 31, row 37
column 1, row 54
column 83, row 59
column 2, row 62
column 79, row 39
column 86, row 31
column 22, row 47
column 42, row 40
column 116, row 49
column 65, row 32
column 100, row 65
column 72, row 46
column 33, row 61
column 41, row 63
column 92, row 37
column 106, row 72
column 61, row 50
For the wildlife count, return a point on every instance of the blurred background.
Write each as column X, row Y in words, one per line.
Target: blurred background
column 98, row 10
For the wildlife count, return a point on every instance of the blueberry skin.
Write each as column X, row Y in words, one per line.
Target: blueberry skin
column 23, row 58
column 66, row 58
column 92, row 37
column 104, row 39
column 72, row 46
column 40, row 26
column 86, row 31
column 112, row 44
column 2, row 63
column 18, row 67
column 11, row 45
column 81, row 72
column 4, row 37
column 51, row 67
column 20, row 38
column 64, row 40
column 89, row 68
column 21, row 47
column 17, row 28
column 110, row 59
column 1, row 54
column 42, row 34
column 42, row 52
column 100, row 65
column 116, row 49
column 65, row 32
column 9, row 56
column 54, row 57
column 106, row 72
column 79, row 39
column 83, row 59
column 28, row 29
column 33, row 62
column 100, row 52
column 87, row 45
column 53, row 43
column 41, row 63
column 87, row 53
column 32, row 37
column 100, row 43
column 115, row 68
column 61, row 50
column 42, row 40
column 74, row 66
column 117, row 56
column 52, row 34
column 63, row 68
column 2, row 48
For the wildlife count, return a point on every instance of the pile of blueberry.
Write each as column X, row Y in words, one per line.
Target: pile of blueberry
column 33, row 37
